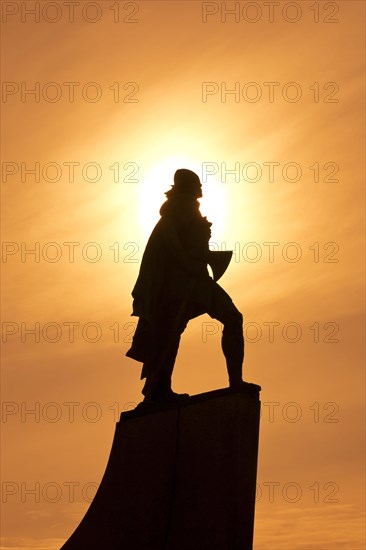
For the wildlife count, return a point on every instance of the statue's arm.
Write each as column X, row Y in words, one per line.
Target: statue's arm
column 175, row 249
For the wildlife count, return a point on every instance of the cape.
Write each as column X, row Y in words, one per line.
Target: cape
column 173, row 268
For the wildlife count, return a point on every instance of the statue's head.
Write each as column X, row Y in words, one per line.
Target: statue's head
column 186, row 182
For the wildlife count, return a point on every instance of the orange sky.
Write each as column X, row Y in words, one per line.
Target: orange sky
column 311, row 371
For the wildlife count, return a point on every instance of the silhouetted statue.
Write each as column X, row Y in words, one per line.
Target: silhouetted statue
column 174, row 286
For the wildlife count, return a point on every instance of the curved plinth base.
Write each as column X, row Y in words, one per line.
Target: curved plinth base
column 182, row 477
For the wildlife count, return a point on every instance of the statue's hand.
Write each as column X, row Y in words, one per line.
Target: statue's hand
column 197, row 268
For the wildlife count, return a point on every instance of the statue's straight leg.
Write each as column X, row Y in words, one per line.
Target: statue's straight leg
column 159, row 367
column 159, row 373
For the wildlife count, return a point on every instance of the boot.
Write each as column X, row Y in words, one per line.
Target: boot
column 234, row 370
column 236, row 381
column 159, row 390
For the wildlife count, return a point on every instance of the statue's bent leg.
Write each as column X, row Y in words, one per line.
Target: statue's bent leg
column 232, row 342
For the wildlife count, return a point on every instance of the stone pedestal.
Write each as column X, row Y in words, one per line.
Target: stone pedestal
column 179, row 478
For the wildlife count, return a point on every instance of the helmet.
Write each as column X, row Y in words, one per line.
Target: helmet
column 186, row 182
